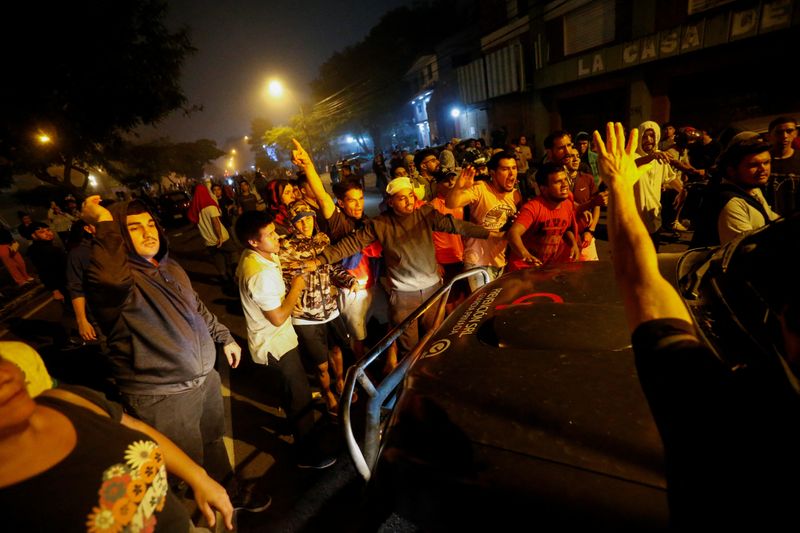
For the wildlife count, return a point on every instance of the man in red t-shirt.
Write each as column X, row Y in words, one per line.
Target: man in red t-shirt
column 544, row 231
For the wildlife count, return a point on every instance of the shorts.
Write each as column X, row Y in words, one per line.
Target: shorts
column 357, row 307
column 317, row 339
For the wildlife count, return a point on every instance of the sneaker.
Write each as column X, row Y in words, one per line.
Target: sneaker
column 250, row 501
column 316, row 461
column 677, row 226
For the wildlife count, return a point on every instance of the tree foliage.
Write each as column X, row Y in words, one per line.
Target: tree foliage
column 85, row 73
column 149, row 162
column 362, row 87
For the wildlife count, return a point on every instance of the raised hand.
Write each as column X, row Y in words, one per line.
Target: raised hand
column 299, row 155
column 92, row 212
column 467, row 178
column 616, row 160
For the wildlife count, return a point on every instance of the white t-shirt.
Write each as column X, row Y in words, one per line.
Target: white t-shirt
column 739, row 217
column 206, row 225
column 261, row 288
column 653, row 177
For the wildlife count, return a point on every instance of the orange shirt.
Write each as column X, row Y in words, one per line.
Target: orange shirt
column 449, row 246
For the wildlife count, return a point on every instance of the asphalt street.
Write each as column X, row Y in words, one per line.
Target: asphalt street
column 258, row 443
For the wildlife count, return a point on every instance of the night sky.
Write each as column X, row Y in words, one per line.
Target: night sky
column 243, row 43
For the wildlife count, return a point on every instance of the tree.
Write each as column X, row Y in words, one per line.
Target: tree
column 362, row 87
column 97, row 71
column 148, row 163
column 258, row 128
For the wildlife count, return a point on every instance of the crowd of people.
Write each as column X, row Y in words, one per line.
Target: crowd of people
column 312, row 271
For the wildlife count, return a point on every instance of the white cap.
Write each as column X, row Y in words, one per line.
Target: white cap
column 398, row 184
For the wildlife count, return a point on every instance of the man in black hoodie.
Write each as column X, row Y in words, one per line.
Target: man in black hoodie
column 160, row 335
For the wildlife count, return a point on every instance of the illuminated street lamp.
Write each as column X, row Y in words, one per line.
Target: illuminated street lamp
column 275, row 89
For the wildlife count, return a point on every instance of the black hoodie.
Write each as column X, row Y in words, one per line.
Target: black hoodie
column 160, row 335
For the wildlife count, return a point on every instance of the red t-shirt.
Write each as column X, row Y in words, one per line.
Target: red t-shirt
column 546, row 223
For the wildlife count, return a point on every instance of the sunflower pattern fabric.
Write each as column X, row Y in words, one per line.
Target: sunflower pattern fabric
column 131, row 492
column 114, row 480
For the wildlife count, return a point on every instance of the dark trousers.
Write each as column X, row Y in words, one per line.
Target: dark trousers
column 295, row 394
column 194, row 420
column 402, row 304
column 225, row 258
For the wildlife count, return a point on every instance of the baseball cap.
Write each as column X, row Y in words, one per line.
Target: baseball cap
column 742, row 144
column 299, row 210
column 397, row 185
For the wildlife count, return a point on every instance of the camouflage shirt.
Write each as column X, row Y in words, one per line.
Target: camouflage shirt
column 318, row 299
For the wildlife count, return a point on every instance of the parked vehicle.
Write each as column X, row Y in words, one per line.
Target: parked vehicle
column 173, row 207
column 524, row 406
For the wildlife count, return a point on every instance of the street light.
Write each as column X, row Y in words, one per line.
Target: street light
column 276, row 90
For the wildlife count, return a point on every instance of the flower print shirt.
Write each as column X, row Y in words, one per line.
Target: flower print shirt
column 113, row 481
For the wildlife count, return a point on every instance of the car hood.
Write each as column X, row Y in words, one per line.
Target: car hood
column 537, row 363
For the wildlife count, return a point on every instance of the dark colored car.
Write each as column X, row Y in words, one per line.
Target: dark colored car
column 523, row 409
column 173, row 207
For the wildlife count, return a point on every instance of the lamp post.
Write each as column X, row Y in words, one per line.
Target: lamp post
column 276, row 90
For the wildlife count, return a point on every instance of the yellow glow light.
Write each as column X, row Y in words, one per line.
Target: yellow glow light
column 275, row 89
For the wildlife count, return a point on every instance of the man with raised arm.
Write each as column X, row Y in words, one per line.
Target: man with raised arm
column 161, row 337
column 730, row 432
column 405, row 232
column 492, row 205
column 359, row 303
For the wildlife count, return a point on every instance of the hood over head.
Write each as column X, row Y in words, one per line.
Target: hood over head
column 119, row 210
column 648, row 125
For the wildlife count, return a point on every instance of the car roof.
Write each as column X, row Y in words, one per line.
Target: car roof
column 539, row 363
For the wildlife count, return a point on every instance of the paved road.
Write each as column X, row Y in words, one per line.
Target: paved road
column 303, row 500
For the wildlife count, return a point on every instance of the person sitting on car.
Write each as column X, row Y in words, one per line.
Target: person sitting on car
column 730, row 431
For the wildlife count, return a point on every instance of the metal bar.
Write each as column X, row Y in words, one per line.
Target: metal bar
column 365, row 459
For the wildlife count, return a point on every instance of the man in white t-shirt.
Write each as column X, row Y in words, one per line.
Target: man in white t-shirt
column 270, row 335
column 491, row 205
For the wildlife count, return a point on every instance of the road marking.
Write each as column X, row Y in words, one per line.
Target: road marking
column 29, row 314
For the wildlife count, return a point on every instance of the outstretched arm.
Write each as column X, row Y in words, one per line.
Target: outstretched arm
column 459, row 195
column 646, row 294
column 301, row 158
column 514, row 236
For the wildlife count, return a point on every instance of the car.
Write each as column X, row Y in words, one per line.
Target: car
column 173, row 207
column 523, row 409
